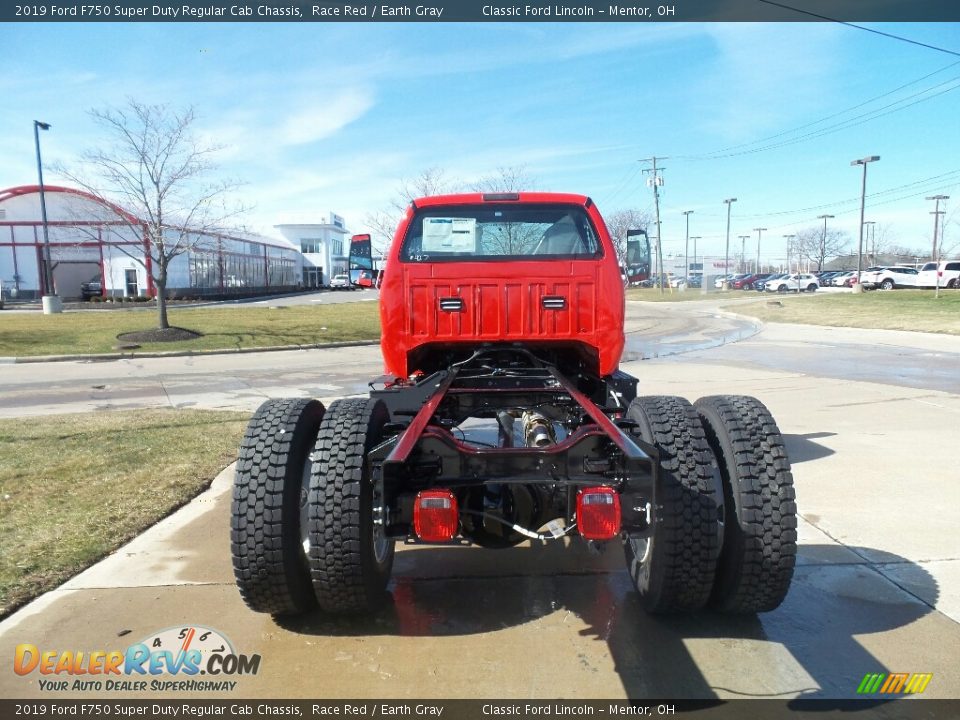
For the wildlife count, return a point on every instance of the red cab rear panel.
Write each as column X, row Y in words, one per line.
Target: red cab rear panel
column 542, row 294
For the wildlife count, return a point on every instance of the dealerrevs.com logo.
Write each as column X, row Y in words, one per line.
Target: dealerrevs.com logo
column 171, row 660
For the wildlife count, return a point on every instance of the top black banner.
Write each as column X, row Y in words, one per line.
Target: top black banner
column 489, row 11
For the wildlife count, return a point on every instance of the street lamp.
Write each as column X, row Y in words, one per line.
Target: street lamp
column 743, row 252
column 686, row 250
column 51, row 303
column 863, row 198
column 936, row 226
column 726, row 256
column 823, row 240
column 695, row 238
column 759, row 232
column 790, row 249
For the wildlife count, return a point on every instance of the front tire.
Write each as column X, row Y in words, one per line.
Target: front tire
column 782, row 289
column 812, row 287
column 673, row 569
column 350, row 556
column 269, row 492
column 760, row 533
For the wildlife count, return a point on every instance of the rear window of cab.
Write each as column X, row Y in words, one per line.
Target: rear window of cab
column 490, row 232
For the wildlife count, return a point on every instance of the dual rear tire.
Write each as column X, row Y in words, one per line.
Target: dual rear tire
column 303, row 530
column 724, row 535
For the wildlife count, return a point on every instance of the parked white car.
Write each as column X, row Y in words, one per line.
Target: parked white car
column 845, row 279
column 949, row 274
column 802, row 281
column 892, row 277
column 340, row 281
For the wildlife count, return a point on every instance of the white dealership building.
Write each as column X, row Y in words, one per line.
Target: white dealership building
column 91, row 241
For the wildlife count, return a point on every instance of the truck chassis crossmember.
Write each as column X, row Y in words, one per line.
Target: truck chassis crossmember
column 594, row 449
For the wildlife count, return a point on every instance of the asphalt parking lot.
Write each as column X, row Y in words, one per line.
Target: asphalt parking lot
column 877, row 587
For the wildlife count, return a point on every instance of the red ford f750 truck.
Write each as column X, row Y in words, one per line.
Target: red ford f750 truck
column 503, row 416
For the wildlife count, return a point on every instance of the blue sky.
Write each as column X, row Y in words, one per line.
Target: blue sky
column 330, row 117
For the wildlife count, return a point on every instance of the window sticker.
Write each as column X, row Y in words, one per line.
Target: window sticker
column 449, row 235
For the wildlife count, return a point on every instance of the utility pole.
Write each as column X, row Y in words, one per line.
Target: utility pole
column 936, row 226
column 743, row 252
column 686, row 251
column 655, row 181
column 863, row 199
column 759, row 232
column 726, row 256
column 823, row 240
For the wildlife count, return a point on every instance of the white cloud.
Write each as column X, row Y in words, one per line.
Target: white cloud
column 325, row 116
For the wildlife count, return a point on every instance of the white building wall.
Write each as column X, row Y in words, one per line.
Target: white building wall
column 326, row 234
column 74, row 227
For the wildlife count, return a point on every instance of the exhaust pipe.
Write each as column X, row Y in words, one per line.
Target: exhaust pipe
column 537, row 430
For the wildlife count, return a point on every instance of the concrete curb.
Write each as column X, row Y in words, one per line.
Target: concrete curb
column 181, row 353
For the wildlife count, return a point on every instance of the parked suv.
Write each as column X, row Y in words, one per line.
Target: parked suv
column 91, row 288
column 891, row 277
column 748, row 282
column 949, row 274
column 802, row 281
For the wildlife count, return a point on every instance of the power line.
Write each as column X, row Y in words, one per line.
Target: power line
column 843, row 125
column 834, row 115
column 849, row 200
column 861, row 27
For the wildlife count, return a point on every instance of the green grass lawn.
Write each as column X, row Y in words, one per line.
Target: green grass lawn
column 23, row 334
column 916, row 310
column 73, row 488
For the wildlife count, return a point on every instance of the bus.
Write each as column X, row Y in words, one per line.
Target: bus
column 361, row 264
column 638, row 257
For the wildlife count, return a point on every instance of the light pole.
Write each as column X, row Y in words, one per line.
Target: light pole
column 726, row 256
column 791, row 248
column 759, row 232
column 863, row 199
column 743, row 252
column 823, row 240
column 703, row 287
column 936, row 226
column 51, row 303
column 686, row 251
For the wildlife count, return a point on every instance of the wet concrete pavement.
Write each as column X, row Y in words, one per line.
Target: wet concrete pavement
column 877, row 588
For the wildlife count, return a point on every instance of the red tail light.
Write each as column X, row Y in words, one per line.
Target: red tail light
column 435, row 515
column 598, row 513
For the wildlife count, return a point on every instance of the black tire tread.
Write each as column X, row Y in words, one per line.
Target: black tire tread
column 344, row 579
column 264, row 517
column 686, row 543
column 760, row 542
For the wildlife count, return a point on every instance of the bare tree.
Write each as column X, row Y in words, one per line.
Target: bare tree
column 619, row 223
column 817, row 246
column 431, row 181
column 151, row 178
column 511, row 178
column 435, row 181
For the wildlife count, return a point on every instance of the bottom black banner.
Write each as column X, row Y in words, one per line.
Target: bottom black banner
column 905, row 709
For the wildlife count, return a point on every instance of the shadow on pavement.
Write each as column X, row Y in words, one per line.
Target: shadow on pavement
column 836, row 597
column 802, row 448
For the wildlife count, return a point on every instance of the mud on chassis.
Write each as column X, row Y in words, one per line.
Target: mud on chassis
column 504, row 417
column 502, row 447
